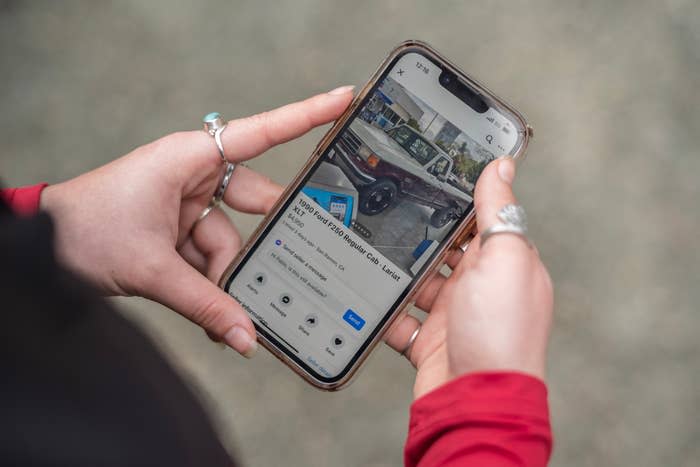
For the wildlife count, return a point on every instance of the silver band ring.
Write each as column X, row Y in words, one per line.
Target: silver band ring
column 411, row 340
column 230, row 166
column 514, row 222
column 219, row 195
column 503, row 229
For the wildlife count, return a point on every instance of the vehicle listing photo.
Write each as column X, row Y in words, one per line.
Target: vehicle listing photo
column 401, row 174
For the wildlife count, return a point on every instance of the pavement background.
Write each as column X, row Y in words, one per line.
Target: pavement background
column 610, row 186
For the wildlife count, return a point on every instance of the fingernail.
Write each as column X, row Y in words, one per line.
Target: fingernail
column 506, row 169
column 239, row 339
column 341, row 90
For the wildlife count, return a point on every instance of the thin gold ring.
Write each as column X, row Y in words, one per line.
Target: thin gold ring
column 205, row 212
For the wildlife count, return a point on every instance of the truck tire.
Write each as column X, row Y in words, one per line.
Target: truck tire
column 441, row 217
column 377, row 196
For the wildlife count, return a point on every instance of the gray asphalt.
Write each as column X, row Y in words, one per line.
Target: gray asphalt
column 398, row 230
column 611, row 187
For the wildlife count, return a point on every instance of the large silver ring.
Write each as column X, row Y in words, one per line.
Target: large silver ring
column 409, row 344
column 514, row 222
column 214, row 124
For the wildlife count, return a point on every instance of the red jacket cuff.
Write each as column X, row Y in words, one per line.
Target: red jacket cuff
column 494, row 418
column 24, row 200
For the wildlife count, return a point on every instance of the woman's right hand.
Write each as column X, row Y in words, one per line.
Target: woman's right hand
column 131, row 227
column 493, row 312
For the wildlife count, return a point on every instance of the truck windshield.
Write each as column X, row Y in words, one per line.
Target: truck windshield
column 414, row 144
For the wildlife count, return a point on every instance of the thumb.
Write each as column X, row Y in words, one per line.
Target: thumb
column 182, row 288
column 493, row 191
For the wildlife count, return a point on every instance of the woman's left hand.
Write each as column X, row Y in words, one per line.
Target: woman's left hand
column 493, row 313
column 129, row 226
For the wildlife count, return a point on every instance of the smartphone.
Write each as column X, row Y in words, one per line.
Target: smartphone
column 385, row 195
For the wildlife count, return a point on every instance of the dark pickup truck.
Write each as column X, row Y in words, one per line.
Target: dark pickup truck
column 400, row 162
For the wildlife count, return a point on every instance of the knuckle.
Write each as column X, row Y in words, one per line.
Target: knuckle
column 480, row 204
column 263, row 123
column 171, row 144
column 273, row 195
column 210, row 313
column 168, row 142
column 150, row 271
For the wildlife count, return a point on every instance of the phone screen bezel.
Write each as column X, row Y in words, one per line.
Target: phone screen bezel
column 329, row 382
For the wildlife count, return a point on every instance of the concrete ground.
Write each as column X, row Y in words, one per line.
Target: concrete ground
column 611, row 187
column 397, row 231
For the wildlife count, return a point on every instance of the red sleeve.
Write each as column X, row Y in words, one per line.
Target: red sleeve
column 481, row 419
column 24, row 200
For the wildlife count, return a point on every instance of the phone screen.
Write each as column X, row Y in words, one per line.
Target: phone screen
column 344, row 250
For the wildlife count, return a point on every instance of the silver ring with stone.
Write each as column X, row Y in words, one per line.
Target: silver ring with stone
column 409, row 344
column 214, row 124
column 514, row 221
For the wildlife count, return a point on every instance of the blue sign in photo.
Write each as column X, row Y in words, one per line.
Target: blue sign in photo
column 338, row 204
column 354, row 319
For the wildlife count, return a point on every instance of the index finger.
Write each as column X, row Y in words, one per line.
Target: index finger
column 244, row 138
column 247, row 137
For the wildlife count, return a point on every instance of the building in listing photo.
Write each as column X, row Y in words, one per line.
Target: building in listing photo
column 447, row 135
column 390, row 106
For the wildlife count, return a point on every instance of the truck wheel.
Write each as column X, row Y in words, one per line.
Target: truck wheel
column 441, row 217
column 377, row 196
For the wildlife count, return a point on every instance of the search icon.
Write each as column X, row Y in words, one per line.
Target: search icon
column 489, row 139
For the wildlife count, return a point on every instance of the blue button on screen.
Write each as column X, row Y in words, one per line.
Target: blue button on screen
column 354, row 319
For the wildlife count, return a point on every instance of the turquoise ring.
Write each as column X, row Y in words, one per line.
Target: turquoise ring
column 214, row 124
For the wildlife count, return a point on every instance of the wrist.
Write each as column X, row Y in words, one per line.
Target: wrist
column 431, row 373
column 57, row 203
column 439, row 369
column 24, row 200
column 531, row 363
column 50, row 202
column 46, row 198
